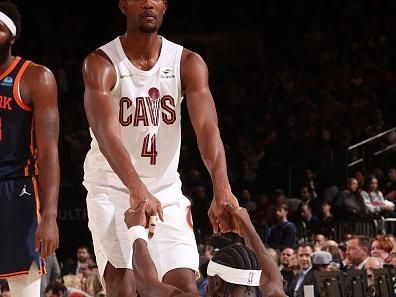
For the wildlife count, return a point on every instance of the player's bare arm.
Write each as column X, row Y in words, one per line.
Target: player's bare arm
column 271, row 284
column 38, row 89
column 202, row 111
column 146, row 275
column 99, row 78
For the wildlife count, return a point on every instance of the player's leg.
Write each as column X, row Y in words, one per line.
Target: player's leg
column 173, row 248
column 19, row 205
column 113, row 252
column 183, row 279
column 27, row 285
column 119, row 282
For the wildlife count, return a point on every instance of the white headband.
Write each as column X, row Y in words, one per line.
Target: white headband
column 249, row 278
column 8, row 22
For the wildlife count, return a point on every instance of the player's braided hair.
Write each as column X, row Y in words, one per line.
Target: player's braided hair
column 240, row 257
column 11, row 10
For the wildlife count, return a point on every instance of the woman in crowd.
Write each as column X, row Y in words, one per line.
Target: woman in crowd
column 374, row 199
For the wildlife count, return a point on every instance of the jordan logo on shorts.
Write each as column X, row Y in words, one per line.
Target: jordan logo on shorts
column 24, row 192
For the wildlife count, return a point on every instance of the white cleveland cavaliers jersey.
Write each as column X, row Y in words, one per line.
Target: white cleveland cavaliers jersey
column 147, row 105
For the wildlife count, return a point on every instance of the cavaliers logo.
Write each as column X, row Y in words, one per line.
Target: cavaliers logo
column 154, row 94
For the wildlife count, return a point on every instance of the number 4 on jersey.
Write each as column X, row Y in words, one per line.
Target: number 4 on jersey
column 150, row 152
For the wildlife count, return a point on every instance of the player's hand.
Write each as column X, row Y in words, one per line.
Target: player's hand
column 153, row 207
column 137, row 216
column 46, row 237
column 240, row 218
column 219, row 217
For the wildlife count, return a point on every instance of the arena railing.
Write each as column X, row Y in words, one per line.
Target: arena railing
column 365, row 153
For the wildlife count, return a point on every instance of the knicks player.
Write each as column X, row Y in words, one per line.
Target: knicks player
column 29, row 166
column 134, row 87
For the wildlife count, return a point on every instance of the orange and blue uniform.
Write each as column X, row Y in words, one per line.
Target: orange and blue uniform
column 19, row 189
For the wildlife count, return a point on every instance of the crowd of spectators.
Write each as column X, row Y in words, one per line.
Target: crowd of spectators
column 299, row 265
column 74, row 277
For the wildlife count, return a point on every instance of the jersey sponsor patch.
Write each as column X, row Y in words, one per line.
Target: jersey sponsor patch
column 167, row 72
column 7, row 82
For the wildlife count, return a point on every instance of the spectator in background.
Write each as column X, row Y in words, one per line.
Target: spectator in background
column 296, row 288
column 306, row 194
column 321, row 261
column 73, row 285
column 202, row 282
column 381, row 247
column 93, row 285
column 348, row 204
column 330, row 246
column 274, row 255
column 326, row 215
column 311, row 182
column 358, row 251
column 283, row 234
column 359, row 176
column 373, row 199
column 53, row 273
column 345, row 259
column 286, row 258
column 326, row 221
column 307, row 197
column 261, row 214
column 56, row 289
column 319, row 241
column 392, row 240
column 390, row 187
column 329, row 194
column 334, row 251
column 372, row 264
column 391, row 259
column 287, row 266
column 83, row 257
column 247, row 201
column 308, row 223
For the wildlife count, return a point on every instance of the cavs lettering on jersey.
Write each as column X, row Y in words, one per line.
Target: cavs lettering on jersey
column 17, row 141
column 147, row 105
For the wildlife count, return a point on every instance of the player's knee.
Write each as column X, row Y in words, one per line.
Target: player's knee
column 183, row 279
column 124, row 291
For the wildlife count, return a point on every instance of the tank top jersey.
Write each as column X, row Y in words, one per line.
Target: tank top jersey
column 18, row 153
column 147, row 105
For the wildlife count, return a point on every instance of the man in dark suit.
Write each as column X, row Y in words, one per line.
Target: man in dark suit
column 305, row 275
column 358, row 249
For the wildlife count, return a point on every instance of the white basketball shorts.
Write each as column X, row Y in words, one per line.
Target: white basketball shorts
column 172, row 246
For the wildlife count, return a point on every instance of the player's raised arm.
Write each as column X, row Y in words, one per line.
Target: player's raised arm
column 143, row 266
column 100, row 77
column 271, row 284
column 202, row 111
column 40, row 85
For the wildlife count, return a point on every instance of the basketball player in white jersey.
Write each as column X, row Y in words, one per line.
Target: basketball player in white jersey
column 134, row 86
